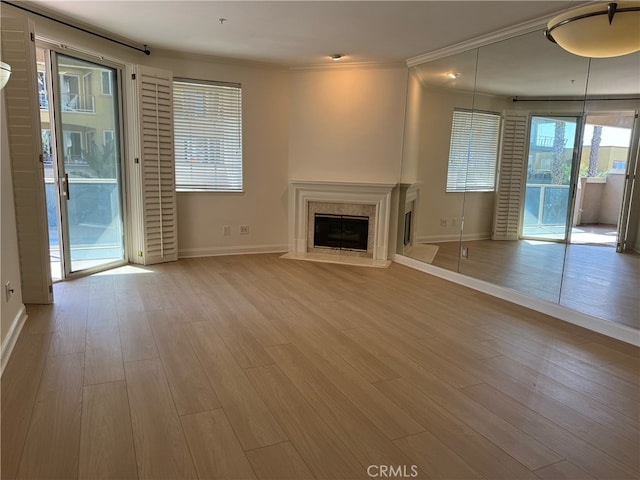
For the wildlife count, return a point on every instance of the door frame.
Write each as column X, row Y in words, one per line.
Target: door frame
column 51, row 52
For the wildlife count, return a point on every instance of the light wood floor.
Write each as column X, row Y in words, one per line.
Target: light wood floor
column 592, row 279
column 257, row 367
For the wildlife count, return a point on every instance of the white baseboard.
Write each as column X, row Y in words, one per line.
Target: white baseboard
column 12, row 337
column 467, row 237
column 610, row 329
column 235, row 250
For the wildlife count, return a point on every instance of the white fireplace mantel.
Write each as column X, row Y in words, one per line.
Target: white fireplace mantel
column 301, row 192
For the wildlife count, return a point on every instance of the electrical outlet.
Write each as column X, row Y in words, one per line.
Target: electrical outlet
column 244, row 229
column 8, row 291
column 443, row 222
column 464, row 252
column 226, row 230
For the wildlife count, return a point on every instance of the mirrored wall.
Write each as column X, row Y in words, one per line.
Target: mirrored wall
column 518, row 170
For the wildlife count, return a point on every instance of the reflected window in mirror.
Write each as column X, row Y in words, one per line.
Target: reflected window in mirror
column 473, row 151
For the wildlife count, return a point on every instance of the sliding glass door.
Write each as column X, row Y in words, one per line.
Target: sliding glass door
column 553, row 150
column 83, row 150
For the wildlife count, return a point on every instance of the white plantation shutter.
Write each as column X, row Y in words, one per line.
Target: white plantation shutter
column 513, row 158
column 153, row 206
column 473, row 151
column 208, row 136
column 21, row 101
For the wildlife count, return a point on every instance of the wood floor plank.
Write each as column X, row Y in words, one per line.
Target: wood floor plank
column 136, row 338
column 572, row 447
column 103, row 353
column 385, row 415
column 244, row 347
column 612, row 399
column 161, row 449
column 188, row 382
column 323, row 452
column 279, row 462
column 434, row 458
column 52, row 446
column 316, row 330
column 600, row 417
column 215, row 449
column 367, row 443
column 106, row 440
column 477, row 451
column 563, row 470
column 514, row 347
column 246, row 411
column 531, row 453
column 20, row 382
column 70, row 334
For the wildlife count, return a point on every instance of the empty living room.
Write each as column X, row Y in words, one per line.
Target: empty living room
column 320, row 240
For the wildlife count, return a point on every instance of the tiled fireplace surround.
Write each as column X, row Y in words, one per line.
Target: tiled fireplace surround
column 307, row 197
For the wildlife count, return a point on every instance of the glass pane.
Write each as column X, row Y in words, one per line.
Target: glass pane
column 90, row 148
column 552, row 143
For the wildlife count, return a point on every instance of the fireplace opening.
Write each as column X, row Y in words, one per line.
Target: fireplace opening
column 344, row 232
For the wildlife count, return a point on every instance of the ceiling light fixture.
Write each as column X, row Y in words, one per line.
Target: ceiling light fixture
column 5, row 73
column 453, row 75
column 598, row 30
column 336, row 57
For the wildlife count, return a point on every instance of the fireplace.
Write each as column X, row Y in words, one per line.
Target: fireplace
column 342, row 232
column 364, row 207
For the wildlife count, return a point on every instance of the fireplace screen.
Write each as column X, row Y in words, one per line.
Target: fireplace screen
column 344, row 232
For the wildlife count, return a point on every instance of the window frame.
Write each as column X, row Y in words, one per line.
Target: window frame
column 219, row 144
column 452, row 184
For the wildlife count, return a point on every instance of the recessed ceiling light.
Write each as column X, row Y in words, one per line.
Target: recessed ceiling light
column 453, row 75
column 336, row 56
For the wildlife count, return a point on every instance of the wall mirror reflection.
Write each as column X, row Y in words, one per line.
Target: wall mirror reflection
column 518, row 170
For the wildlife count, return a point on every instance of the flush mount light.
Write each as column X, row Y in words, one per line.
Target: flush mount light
column 5, row 73
column 336, row 57
column 453, row 75
column 598, row 30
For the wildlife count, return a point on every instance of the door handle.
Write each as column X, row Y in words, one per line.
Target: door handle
column 66, row 186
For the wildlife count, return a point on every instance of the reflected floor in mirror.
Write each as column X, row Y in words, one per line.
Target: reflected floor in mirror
column 598, row 281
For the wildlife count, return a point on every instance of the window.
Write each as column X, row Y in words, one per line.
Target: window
column 207, row 136
column 473, row 151
column 105, row 80
column 107, row 138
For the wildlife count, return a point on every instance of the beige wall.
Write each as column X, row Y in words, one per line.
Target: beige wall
column 9, row 263
column 346, row 124
column 263, row 205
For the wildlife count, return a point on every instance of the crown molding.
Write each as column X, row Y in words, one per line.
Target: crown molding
column 493, row 37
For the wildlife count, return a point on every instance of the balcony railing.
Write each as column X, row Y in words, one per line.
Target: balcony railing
column 72, row 102
column 546, row 205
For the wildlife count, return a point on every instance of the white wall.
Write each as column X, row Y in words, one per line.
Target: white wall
column 346, row 124
column 9, row 264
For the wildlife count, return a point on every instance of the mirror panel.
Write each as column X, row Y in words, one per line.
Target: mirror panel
column 601, row 270
column 514, row 236
column 432, row 211
column 563, row 221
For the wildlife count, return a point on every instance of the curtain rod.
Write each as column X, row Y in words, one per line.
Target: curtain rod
column 146, row 51
column 585, row 99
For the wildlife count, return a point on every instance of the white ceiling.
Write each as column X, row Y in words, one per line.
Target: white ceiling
column 302, row 33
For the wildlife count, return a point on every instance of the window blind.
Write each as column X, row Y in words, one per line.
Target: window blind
column 208, row 136
column 473, row 151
